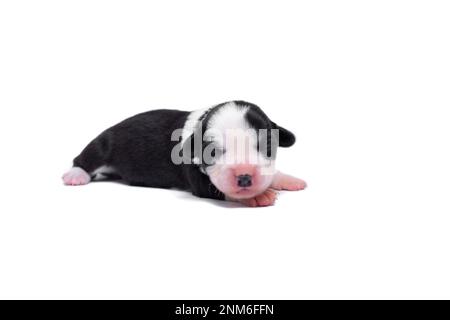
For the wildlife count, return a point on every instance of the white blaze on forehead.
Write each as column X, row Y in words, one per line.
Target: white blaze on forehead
column 226, row 123
column 229, row 116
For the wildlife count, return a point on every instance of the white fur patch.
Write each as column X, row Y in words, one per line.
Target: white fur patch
column 229, row 116
column 100, row 172
column 191, row 123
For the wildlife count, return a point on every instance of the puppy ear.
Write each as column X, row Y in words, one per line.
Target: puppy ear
column 286, row 138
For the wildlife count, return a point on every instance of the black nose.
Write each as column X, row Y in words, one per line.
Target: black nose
column 244, row 180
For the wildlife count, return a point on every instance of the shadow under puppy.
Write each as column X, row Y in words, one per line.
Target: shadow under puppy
column 226, row 152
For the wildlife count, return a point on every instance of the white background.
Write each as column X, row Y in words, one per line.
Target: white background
column 363, row 84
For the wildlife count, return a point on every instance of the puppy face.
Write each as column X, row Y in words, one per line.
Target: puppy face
column 239, row 147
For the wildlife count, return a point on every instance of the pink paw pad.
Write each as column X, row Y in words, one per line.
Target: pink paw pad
column 76, row 177
column 286, row 182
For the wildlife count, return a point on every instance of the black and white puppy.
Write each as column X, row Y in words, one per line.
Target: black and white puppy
column 225, row 152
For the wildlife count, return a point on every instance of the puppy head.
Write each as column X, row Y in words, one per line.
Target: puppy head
column 239, row 148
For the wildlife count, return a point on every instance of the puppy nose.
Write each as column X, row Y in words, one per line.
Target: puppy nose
column 244, row 180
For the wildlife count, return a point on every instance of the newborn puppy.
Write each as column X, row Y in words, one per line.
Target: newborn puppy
column 226, row 152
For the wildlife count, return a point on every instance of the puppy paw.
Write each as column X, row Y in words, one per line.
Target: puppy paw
column 265, row 199
column 286, row 182
column 76, row 177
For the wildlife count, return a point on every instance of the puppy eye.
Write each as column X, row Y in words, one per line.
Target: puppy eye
column 217, row 152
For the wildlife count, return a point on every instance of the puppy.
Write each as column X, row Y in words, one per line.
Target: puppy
column 226, row 152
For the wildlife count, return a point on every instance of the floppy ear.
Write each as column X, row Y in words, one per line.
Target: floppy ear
column 286, row 138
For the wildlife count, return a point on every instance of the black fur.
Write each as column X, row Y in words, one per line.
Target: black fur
column 259, row 120
column 139, row 149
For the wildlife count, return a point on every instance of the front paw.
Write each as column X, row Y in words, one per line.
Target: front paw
column 286, row 182
column 265, row 199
